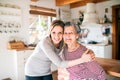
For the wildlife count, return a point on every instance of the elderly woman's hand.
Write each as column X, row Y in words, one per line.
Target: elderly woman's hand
column 63, row 74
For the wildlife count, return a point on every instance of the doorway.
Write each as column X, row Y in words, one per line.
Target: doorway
column 116, row 32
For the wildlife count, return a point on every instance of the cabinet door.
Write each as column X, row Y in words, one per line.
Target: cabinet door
column 108, row 51
column 101, row 51
column 27, row 53
column 22, row 56
column 19, row 65
column 98, row 50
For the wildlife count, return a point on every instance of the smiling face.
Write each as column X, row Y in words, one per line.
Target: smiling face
column 56, row 34
column 70, row 35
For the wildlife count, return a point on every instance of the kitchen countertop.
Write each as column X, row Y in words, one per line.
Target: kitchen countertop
column 96, row 44
column 26, row 48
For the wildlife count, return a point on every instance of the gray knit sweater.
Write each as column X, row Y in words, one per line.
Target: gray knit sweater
column 39, row 63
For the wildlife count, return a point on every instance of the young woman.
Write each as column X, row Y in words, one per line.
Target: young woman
column 73, row 50
column 46, row 52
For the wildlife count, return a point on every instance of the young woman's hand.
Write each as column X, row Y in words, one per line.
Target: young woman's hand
column 91, row 54
column 88, row 55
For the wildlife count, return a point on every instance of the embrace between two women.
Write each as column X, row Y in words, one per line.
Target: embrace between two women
column 76, row 61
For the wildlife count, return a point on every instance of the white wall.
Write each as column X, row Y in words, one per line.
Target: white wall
column 65, row 13
column 6, row 56
column 65, row 10
column 100, row 9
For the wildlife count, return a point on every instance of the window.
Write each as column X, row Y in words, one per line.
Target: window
column 40, row 20
column 39, row 25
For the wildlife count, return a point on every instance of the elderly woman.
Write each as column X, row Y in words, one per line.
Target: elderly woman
column 73, row 50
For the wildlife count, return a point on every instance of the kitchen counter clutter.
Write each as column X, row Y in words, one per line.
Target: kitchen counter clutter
column 98, row 44
column 18, row 46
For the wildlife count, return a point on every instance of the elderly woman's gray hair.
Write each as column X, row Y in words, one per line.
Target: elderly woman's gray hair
column 76, row 26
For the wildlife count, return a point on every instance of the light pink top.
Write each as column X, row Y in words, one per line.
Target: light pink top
column 85, row 71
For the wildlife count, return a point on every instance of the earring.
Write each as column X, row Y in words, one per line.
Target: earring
column 77, row 37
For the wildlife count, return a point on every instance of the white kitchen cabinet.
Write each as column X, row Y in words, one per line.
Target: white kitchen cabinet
column 20, row 60
column 103, row 51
